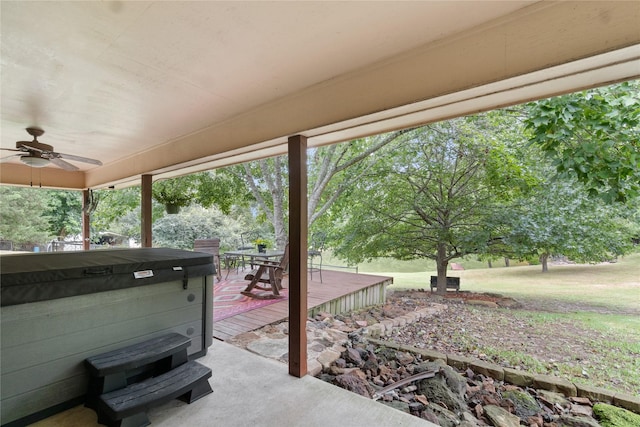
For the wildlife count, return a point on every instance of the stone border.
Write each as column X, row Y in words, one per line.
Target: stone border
column 512, row 376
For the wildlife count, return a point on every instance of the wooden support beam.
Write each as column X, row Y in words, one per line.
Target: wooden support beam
column 298, row 255
column 145, row 205
column 86, row 220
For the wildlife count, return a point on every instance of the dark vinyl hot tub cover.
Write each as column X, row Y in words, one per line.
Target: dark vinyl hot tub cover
column 44, row 276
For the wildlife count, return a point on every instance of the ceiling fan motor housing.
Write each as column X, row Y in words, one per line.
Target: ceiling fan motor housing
column 27, row 145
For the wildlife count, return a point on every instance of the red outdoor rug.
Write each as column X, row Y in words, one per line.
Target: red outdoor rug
column 228, row 301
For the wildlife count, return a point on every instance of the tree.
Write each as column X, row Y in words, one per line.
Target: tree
column 268, row 181
column 333, row 169
column 22, row 216
column 64, row 210
column 331, row 172
column 559, row 219
column 429, row 200
column 118, row 211
column 594, row 136
column 205, row 188
column 35, row 215
column 196, row 222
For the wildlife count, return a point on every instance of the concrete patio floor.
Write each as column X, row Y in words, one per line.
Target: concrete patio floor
column 250, row 390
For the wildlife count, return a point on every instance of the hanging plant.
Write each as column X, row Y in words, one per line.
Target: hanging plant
column 174, row 193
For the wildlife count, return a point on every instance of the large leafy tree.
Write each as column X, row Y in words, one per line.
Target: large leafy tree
column 593, row 136
column 118, row 211
column 331, row 171
column 23, row 218
column 431, row 199
column 35, row 215
column 64, row 210
column 558, row 218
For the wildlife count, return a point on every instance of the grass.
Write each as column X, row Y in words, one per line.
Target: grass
column 615, row 285
column 613, row 342
column 602, row 299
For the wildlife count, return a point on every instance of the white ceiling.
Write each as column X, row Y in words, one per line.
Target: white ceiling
column 121, row 81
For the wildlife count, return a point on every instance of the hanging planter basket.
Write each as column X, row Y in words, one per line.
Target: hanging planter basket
column 172, row 209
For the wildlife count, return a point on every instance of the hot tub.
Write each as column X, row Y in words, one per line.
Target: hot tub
column 59, row 308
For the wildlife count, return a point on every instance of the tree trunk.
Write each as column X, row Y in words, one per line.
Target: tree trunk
column 543, row 260
column 489, row 263
column 506, row 262
column 442, row 263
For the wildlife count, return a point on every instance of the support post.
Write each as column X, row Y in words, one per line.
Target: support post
column 86, row 220
column 145, row 214
column 298, row 255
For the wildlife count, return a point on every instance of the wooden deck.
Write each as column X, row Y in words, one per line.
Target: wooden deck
column 340, row 292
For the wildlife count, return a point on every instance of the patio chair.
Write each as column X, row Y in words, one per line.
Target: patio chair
column 268, row 272
column 210, row 246
column 315, row 251
column 236, row 261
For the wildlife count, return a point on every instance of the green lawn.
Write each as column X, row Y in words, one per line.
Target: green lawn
column 611, row 284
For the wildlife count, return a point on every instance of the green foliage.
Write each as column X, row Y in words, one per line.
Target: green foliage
column 559, row 219
column 22, row 215
column 613, row 416
column 205, row 188
column 180, row 231
column 179, row 191
column 114, row 205
column 64, row 210
column 36, row 215
column 221, row 189
column 429, row 202
column 594, row 136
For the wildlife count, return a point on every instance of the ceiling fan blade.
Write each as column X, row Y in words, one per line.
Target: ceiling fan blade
column 77, row 158
column 6, row 159
column 64, row 165
column 11, row 149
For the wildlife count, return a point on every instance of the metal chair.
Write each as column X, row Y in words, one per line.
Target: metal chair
column 315, row 251
column 236, row 261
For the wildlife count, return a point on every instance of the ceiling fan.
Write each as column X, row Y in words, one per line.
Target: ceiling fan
column 38, row 155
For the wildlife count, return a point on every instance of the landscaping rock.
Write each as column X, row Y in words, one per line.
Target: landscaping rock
column 444, row 417
column 501, row 418
column 594, row 393
column 437, row 391
column 524, row 404
column 355, row 383
column 572, row 421
column 456, row 396
column 488, row 369
column 553, row 383
column 627, row 401
column 272, row 348
column 518, row 377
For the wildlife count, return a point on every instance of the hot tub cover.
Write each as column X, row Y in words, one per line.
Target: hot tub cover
column 43, row 276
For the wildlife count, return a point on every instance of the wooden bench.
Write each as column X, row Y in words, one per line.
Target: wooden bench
column 150, row 365
column 452, row 283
